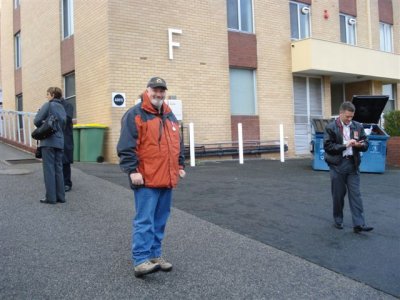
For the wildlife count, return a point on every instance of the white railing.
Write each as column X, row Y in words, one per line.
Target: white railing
column 17, row 126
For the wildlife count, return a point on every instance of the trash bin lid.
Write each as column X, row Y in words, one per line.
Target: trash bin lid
column 320, row 124
column 369, row 108
column 91, row 125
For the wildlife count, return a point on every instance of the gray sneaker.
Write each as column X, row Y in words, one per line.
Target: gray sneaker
column 164, row 265
column 146, row 268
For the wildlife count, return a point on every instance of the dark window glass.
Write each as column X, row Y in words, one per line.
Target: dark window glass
column 69, row 90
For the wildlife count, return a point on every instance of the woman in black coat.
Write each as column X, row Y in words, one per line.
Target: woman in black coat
column 68, row 157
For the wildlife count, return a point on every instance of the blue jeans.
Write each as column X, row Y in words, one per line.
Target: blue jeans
column 153, row 206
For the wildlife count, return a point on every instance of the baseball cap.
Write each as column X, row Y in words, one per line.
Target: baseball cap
column 157, row 82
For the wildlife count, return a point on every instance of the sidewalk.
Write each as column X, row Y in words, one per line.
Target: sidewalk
column 81, row 250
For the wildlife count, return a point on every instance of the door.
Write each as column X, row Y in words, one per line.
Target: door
column 307, row 106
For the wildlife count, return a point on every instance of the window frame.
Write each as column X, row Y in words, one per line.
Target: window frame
column 70, row 18
column 17, row 51
column 239, row 20
column 70, row 96
column 347, row 27
column 385, row 40
column 299, row 6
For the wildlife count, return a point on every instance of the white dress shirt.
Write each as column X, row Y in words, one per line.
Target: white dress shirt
column 346, row 138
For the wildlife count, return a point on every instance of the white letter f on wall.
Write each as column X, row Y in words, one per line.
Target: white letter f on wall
column 171, row 43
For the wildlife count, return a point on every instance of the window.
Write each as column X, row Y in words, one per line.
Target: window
column 17, row 50
column 299, row 20
column 68, row 18
column 242, row 91
column 386, row 37
column 348, row 29
column 17, row 3
column 240, row 15
column 69, row 90
column 389, row 90
column 19, row 107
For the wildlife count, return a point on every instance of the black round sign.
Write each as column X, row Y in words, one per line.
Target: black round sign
column 118, row 100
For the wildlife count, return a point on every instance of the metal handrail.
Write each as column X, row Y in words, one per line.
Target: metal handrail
column 13, row 126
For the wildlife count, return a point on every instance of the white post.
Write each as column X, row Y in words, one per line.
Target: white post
column 240, row 141
column 9, row 126
column 282, row 143
column 23, row 129
column 191, row 142
column 3, row 122
column 15, row 137
column 30, row 130
column 19, row 127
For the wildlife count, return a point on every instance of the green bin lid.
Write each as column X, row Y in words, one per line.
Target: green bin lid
column 91, row 125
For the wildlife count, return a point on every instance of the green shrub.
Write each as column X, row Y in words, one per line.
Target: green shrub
column 392, row 123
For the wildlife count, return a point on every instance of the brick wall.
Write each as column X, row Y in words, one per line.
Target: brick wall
column 321, row 28
column 385, row 11
column 393, row 151
column 274, row 74
column 348, row 7
column 67, row 55
column 7, row 54
column 250, row 127
column 242, row 50
column 40, row 40
column 199, row 73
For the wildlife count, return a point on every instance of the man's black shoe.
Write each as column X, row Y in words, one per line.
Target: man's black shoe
column 61, row 201
column 67, row 188
column 338, row 225
column 358, row 229
column 45, row 201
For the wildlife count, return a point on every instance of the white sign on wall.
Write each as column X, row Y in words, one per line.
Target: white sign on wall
column 176, row 107
column 118, row 99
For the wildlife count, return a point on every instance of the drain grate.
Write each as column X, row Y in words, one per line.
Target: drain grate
column 22, row 161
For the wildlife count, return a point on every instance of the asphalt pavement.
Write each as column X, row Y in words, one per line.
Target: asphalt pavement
column 258, row 231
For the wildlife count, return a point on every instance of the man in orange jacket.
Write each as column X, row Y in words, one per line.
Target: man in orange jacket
column 151, row 153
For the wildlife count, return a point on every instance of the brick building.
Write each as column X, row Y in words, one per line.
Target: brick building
column 258, row 62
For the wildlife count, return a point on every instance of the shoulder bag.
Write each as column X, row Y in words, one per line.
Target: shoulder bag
column 48, row 127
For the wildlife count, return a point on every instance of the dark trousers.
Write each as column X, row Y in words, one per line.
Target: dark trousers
column 53, row 173
column 345, row 177
column 67, row 174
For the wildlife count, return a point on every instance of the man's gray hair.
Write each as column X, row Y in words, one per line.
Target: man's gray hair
column 347, row 106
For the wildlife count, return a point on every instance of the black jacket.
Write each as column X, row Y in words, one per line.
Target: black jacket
column 68, row 157
column 333, row 142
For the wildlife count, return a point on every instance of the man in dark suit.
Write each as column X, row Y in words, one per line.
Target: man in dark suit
column 68, row 157
column 344, row 139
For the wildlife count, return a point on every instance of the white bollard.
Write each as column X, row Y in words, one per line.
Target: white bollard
column 191, row 142
column 282, row 143
column 240, row 141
